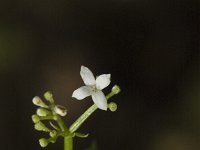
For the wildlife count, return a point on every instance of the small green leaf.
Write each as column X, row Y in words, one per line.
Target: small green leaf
column 81, row 135
column 54, row 126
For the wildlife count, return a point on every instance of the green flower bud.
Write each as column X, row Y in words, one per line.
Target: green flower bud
column 49, row 96
column 112, row 106
column 35, row 118
column 52, row 140
column 43, row 112
column 38, row 102
column 53, row 133
column 43, row 142
column 41, row 127
column 60, row 110
column 116, row 89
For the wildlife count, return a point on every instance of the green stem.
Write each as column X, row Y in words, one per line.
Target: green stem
column 61, row 124
column 86, row 115
column 68, row 143
column 82, row 118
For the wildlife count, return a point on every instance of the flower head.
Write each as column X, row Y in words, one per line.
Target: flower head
column 93, row 87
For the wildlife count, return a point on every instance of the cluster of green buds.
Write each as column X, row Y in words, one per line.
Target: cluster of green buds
column 49, row 111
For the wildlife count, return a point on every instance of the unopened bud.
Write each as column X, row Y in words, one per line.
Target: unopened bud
column 49, row 96
column 43, row 142
column 43, row 112
column 116, row 89
column 60, row 110
column 112, row 106
column 38, row 102
column 35, row 118
column 41, row 127
column 53, row 133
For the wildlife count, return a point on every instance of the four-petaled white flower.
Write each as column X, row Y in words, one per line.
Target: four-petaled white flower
column 93, row 87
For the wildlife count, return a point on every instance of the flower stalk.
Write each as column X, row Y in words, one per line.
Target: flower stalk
column 87, row 114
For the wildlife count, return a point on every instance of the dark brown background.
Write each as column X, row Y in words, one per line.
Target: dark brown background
column 151, row 48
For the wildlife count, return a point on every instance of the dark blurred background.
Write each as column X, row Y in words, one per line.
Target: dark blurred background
column 151, row 48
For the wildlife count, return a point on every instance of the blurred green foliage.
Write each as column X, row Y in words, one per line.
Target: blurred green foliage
column 93, row 146
column 15, row 46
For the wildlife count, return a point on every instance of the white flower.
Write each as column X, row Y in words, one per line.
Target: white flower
column 93, row 87
column 60, row 110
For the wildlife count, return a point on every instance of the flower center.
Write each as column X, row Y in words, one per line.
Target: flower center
column 93, row 88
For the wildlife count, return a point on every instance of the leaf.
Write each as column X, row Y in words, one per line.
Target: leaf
column 81, row 135
column 54, row 126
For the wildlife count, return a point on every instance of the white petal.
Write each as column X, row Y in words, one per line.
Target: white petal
column 81, row 92
column 87, row 76
column 103, row 81
column 100, row 100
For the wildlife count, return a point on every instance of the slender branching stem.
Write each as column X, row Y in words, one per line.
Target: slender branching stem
column 86, row 115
